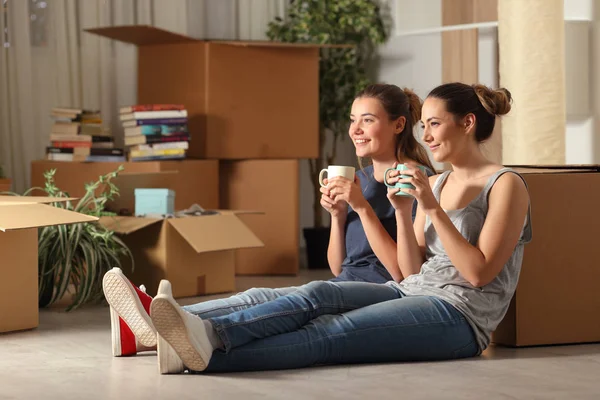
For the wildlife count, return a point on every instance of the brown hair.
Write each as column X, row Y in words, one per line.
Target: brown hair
column 401, row 103
column 483, row 102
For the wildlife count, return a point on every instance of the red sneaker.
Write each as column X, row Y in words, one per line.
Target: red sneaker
column 131, row 326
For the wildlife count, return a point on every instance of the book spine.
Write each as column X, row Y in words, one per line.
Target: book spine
column 158, row 121
column 157, row 107
column 71, row 144
column 169, row 138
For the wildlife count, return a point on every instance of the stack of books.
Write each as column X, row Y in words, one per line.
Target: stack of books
column 78, row 135
column 155, row 131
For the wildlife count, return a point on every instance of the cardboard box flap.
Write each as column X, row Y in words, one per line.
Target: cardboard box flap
column 264, row 43
column 240, row 212
column 555, row 169
column 127, row 225
column 12, row 200
column 141, row 35
column 215, row 232
column 23, row 216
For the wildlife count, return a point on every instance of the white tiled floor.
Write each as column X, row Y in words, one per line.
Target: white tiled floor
column 68, row 357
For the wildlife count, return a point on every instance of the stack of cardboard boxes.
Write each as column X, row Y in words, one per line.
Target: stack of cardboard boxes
column 252, row 115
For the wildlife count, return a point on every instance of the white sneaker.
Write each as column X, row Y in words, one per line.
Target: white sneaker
column 185, row 332
column 124, row 342
column 131, row 304
column 168, row 360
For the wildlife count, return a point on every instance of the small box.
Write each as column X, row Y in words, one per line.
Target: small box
column 154, row 201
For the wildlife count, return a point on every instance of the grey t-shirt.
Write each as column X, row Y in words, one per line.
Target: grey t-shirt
column 483, row 307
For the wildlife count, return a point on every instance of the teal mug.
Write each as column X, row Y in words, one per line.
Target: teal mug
column 401, row 167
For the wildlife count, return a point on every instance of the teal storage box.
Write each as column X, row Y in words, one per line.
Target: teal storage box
column 154, row 201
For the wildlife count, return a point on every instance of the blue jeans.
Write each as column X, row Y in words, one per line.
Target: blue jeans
column 256, row 296
column 346, row 322
column 238, row 302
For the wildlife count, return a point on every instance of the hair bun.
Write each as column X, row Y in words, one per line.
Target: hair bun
column 495, row 101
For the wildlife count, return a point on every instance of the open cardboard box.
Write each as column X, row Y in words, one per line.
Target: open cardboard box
column 195, row 253
column 20, row 218
column 556, row 301
column 228, row 87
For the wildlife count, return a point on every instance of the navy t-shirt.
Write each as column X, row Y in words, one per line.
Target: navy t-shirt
column 361, row 264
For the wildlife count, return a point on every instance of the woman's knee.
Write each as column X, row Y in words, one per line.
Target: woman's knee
column 317, row 292
column 256, row 295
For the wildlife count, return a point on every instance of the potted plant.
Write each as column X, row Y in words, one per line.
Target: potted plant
column 5, row 183
column 74, row 258
column 342, row 74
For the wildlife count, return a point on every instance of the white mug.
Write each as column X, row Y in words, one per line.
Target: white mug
column 336, row 170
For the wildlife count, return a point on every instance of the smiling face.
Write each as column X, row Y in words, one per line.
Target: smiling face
column 371, row 130
column 445, row 135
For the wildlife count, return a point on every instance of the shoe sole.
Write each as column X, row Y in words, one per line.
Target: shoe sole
column 127, row 304
column 171, row 327
column 168, row 360
column 115, row 333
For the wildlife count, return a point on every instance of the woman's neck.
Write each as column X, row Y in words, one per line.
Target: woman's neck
column 472, row 165
column 379, row 167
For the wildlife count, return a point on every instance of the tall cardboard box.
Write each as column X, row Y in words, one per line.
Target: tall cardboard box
column 271, row 186
column 195, row 253
column 245, row 99
column 194, row 181
column 557, row 299
column 20, row 218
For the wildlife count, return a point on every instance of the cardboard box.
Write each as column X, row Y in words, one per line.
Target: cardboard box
column 245, row 99
column 271, row 186
column 194, row 181
column 195, row 253
column 556, row 301
column 19, row 219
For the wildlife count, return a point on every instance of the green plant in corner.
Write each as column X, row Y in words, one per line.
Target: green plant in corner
column 77, row 256
column 342, row 71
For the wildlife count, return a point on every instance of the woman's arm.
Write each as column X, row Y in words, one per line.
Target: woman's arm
column 336, row 252
column 410, row 235
column 380, row 240
column 411, row 242
column 507, row 209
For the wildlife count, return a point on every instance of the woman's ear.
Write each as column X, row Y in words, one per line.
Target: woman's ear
column 469, row 123
column 400, row 123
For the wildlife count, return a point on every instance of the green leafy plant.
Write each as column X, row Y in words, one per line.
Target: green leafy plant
column 342, row 71
column 78, row 255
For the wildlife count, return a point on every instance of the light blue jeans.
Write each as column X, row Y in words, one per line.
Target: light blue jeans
column 238, row 302
column 341, row 322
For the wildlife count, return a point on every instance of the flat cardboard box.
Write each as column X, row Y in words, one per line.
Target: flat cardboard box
column 20, row 218
column 195, row 253
column 271, row 186
column 556, row 301
column 194, row 181
column 245, row 99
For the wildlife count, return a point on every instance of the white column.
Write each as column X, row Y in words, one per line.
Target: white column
column 532, row 67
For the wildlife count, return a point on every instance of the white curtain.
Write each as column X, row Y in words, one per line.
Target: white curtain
column 48, row 61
